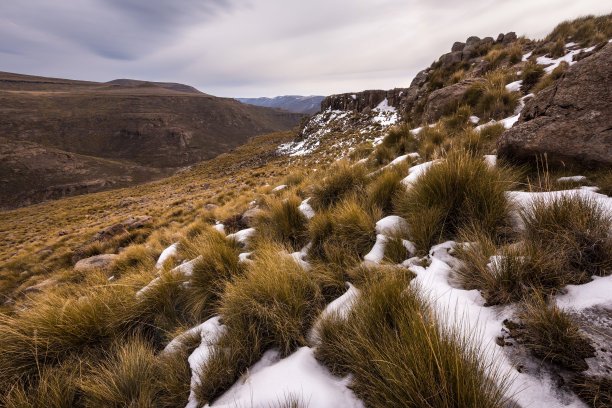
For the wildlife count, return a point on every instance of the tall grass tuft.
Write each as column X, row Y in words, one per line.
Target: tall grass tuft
column 572, row 228
column 552, row 334
column 125, row 379
column 346, row 231
column 460, row 190
column 218, row 264
column 341, row 181
column 381, row 191
column 399, row 355
column 491, row 99
column 283, row 223
column 273, row 305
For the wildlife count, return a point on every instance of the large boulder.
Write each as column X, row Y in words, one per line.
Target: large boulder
column 438, row 100
column 104, row 262
column 569, row 122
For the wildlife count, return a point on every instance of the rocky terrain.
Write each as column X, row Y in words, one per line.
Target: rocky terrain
column 294, row 103
column 127, row 132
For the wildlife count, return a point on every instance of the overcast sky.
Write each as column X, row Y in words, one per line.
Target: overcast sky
column 259, row 47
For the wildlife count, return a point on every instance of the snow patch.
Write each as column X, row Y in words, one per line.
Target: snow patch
column 391, row 225
column 306, row 209
column 172, row 250
column 301, row 375
column 415, row 172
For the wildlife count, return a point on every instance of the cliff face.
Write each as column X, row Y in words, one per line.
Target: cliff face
column 363, row 101
column 406, row 100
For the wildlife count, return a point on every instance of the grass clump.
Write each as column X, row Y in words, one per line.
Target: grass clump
column 491, row 99
column 347, row 231
column 572, row 228
column 552, row 334
column 532, row 73
column 549, row 79
column 341, row 181
column 595, row 391
column 460, row 190
column 125, row 379
column 381, row 191
column 399, row 355
column 273, row 305
column 217, row 264
column 283, row 223
column 586, row 31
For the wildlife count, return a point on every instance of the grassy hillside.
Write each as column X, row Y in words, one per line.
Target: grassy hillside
column 364, row 262
column 155, row 126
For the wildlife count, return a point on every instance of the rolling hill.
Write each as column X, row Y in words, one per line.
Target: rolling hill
column 117, row 126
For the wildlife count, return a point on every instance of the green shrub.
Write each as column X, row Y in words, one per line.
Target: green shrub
column 398, row 355
column 460, row 190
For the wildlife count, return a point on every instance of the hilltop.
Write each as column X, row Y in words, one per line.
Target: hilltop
column 90, row 136
column 447, row 244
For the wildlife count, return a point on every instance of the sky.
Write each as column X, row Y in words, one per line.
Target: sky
column 251, row 48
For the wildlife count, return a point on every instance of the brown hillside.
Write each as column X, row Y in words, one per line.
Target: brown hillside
column 154, row 125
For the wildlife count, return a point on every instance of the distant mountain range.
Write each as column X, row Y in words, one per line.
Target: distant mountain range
column 294, row 103
column 61, row 137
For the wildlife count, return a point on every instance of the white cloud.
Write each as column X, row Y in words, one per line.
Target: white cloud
column 263, row 47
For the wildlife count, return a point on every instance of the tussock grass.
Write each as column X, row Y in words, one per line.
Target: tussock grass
column 586, row 31
column 387, row 184
column 218, row 264
column 400, row 140
column 575, row 229
column 395, row 250
column 56, row 328
column 459, row 191
column 515, row 54
column 277, row 297
column 283, row 223
column 552, row 334
column 532, row 73
column 515, row 272
column 57, row 387
column 565, row 240
column 595, row 391
column 346, row 231
column 491, row 99
column 125, row 379
column 341, row 181
column 273, row 305
column 434, row 140
column 549, row 79
column 132, row 258
column 495, row 57
column 399, row 355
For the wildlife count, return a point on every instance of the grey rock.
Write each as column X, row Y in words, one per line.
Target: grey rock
column 438, row 100
column 458, row 46
column 104, row 262
column 570, row 121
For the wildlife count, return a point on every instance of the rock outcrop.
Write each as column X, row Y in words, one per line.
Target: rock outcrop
column 363, row 101
column 438, row 100
column 571, row 121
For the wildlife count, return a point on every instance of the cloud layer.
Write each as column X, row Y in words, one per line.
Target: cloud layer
column 259, row 47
